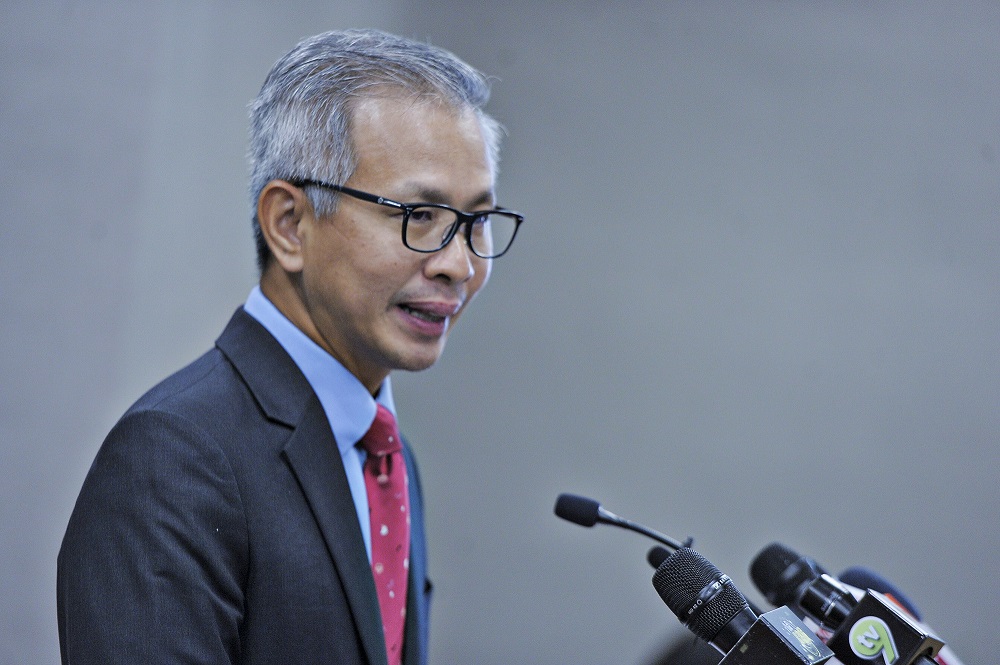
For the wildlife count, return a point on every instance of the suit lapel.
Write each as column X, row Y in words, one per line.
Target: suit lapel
column 284, row 394
column 313, row 456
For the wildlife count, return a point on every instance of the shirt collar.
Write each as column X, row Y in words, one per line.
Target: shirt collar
column 349, row 407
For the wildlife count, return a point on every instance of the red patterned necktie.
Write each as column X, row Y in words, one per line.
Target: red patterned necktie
column 389, row 511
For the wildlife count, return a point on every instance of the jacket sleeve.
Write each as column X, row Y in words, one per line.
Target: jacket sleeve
column 153, row 562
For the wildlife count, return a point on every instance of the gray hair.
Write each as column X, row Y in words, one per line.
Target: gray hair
column 300, row 121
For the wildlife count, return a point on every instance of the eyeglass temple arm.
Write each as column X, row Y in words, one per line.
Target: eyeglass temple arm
column 356, row 193
column 365, row 196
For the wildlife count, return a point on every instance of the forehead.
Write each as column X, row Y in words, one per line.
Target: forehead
column 400, row 139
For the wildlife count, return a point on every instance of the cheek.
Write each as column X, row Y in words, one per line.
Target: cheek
column 361, row 269
column 375, row 283
column 482, row 274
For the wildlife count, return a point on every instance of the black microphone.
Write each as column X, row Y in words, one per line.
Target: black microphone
column 587, row 512
column 658, row 555
column 786, row 578
column 710, row 605
column 862, row 629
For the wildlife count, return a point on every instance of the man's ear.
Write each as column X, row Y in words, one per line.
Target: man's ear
column 280, row 210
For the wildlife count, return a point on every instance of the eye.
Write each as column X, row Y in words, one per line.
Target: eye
column 422, row 215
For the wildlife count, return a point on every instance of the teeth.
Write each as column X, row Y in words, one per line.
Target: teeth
column 420, row 314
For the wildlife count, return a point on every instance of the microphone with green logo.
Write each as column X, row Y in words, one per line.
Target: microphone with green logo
column 868, row 630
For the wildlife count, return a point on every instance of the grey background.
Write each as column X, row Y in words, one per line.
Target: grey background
column 756, row 297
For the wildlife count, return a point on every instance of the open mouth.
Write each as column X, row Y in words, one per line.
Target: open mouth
column 423, row 315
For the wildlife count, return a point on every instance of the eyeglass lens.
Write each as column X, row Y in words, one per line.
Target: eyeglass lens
column 429, row 227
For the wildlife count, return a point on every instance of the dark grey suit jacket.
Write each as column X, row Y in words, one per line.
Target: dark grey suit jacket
column 216, row 526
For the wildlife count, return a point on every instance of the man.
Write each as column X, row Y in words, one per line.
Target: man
column 256, row 507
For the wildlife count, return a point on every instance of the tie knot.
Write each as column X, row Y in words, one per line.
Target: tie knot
column 382, row 437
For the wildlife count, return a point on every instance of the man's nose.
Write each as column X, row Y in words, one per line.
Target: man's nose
column 456, row 261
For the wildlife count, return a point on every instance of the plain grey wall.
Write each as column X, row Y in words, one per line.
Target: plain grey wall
column 756, row 298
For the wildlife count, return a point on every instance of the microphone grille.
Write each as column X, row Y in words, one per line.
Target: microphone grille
column 702, row 597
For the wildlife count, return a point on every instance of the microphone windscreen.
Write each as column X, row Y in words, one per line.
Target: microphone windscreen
column 701, row 596
column 577, row 509
column 863, row 578
column 769, row 565
column 778, row 572
column 657, row 555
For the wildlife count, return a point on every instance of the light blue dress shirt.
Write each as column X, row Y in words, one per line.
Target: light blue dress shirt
column 349, row 407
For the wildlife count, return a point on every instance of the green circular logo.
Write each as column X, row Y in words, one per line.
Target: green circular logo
column 871, row 637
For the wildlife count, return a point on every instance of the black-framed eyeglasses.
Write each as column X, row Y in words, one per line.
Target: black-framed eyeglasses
column 429, row 227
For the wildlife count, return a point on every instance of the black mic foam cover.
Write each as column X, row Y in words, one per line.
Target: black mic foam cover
column 779, row 572
column 577, row 509
column 701, row 596
column 657, row 555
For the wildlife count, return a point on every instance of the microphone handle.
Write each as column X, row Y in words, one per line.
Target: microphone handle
column 778, row 637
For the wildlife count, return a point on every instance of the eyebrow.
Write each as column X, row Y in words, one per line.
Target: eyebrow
column 434, row 195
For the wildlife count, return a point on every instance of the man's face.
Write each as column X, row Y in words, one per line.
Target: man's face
column 374, row 304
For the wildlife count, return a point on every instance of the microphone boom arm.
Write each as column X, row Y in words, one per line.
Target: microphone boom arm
column 608, row 517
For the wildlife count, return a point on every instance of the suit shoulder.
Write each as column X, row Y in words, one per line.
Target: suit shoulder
column 200, row 392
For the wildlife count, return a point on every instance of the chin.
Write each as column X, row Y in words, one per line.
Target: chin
column 419, row 360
